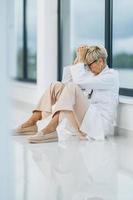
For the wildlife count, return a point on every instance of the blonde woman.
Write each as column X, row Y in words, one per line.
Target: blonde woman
column 89, row 76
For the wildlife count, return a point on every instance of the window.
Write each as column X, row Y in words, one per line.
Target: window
column 25, row 15
column 107, row 22
column 123, row 41
column 31, row 39
column 80, row 26
column 19, row 38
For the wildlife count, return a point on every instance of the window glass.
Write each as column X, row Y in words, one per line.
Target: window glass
column 31, row 38
column 123, row 41
column 84, row 25
column 19, row 38
column 25, row 40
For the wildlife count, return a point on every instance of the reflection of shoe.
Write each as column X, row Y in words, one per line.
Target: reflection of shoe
column 40, row 137
column 31, row 130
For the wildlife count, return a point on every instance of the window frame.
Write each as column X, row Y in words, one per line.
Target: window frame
column 108, row 40
column 25, row 50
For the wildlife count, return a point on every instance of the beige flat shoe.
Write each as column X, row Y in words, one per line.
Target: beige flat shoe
column 40, row 137
column 31, row 130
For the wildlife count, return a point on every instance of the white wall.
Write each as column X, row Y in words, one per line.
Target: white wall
column 46, row 54
column 125, row 115
column 46, row 43
column 11, row 34
column 5, row 153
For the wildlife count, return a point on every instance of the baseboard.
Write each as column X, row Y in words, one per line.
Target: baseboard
column 122, row 132
column 24, row 92
column 21, row 105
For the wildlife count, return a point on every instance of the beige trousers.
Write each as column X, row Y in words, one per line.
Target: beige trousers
column 65, row 98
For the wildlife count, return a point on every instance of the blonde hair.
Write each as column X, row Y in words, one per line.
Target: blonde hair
column 94, row 53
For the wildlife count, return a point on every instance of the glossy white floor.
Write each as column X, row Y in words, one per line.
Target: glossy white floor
column 75, row 170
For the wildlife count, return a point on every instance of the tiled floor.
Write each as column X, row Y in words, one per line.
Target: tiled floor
column 75, row 170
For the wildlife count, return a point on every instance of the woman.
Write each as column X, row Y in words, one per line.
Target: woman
column 94, row 118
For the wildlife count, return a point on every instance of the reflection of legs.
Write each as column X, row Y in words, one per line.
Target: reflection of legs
column 44, row 107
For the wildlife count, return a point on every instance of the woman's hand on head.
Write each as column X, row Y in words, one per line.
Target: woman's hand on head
column 81, row 53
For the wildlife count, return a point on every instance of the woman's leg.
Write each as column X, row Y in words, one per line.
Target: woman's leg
column 72, row 99
column 37, row 115
column 44, row 107
column 72, row 104
column 48, row 134
column 51, row 127
column 72, row 123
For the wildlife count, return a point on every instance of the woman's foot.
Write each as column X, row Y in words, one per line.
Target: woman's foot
column 29, row 127
column 37, row 115
column 28, row 124
column 41, row 137
column 48, row 134
column 48, row 129
column 29, row 130
column 82, row 136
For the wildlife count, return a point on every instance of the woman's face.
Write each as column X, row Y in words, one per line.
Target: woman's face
column 96, row 66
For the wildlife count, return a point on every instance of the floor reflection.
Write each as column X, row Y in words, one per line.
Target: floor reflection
column 72, row 171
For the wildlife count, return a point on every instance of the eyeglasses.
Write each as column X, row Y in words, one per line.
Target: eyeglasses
column 91, row 63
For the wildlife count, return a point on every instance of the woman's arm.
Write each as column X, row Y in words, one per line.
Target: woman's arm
column 66, row 77
column 81, row 77
column 80, row 57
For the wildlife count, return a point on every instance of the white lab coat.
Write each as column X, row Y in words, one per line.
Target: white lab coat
column 100, row 118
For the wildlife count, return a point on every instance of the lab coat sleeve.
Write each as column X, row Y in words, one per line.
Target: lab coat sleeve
column 102, row 81
column 66, row 77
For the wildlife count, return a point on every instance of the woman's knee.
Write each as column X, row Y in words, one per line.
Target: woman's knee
column 57, row 88
column 72, row 85
column 57, row 83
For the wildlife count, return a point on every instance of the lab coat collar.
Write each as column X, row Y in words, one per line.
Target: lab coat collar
column 105, row 69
